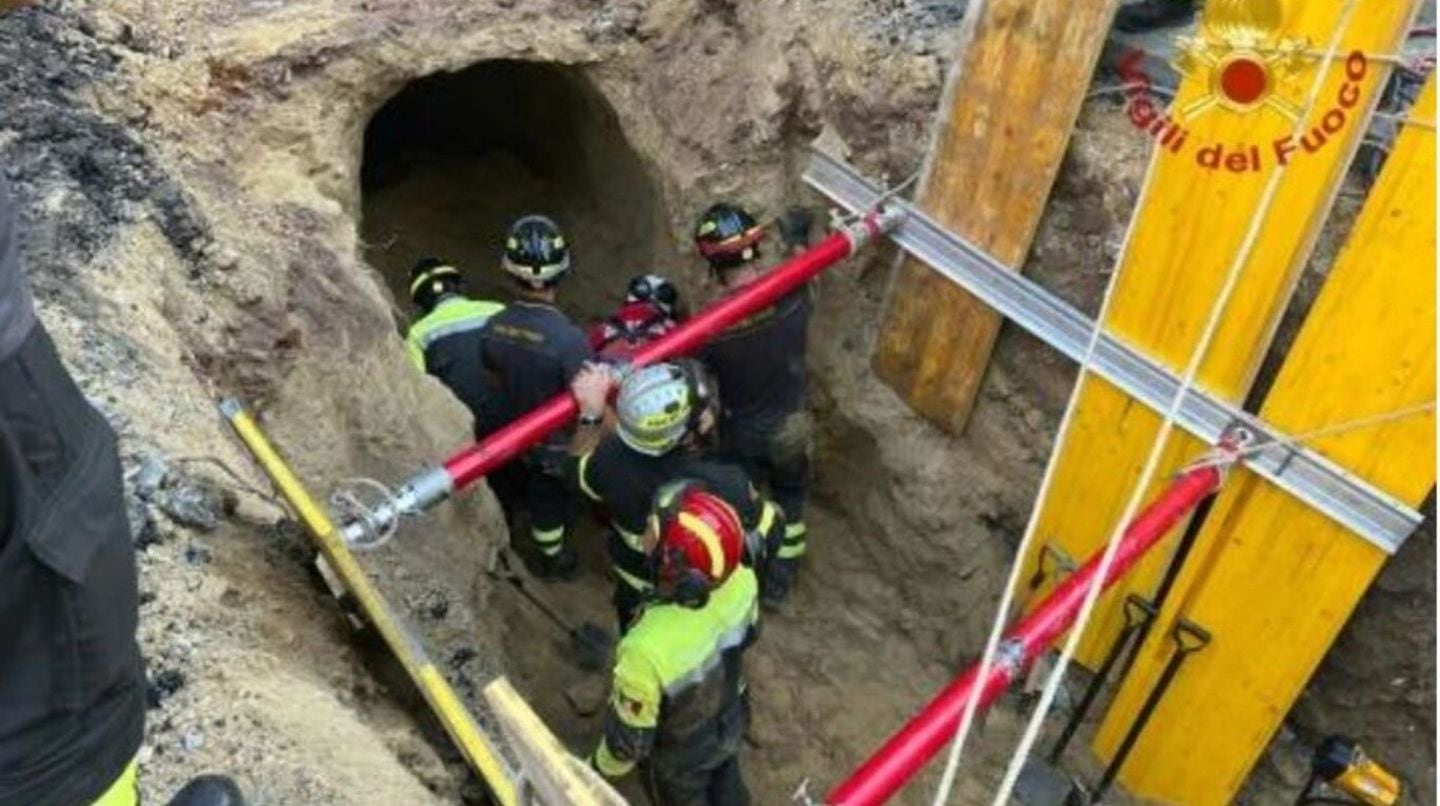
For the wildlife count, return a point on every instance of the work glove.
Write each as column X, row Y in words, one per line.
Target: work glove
column 794, row 225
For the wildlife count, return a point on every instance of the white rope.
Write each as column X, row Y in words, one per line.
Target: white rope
column 888, row 193
column 1152, row 463
column 997, row 627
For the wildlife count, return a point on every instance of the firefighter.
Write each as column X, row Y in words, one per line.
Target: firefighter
column 532, row 350
column 72, row 687
column 651, row 309
column 446, row 342
column 665, row 416
column 760, row 366
column 678, row 701
column 1150, row 15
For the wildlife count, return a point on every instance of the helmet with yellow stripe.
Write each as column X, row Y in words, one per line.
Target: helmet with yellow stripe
column 536, row 253
column 700, row 542
column 430, row 279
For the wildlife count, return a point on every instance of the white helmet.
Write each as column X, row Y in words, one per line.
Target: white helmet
column 656, row 407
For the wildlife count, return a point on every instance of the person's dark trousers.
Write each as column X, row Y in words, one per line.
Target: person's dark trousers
column 721, row 785
column 776, row 456
column 508, row 485
column 789, row 479
column 702, row 769
column 549, row 498
column 507, row 482
column 72, row 688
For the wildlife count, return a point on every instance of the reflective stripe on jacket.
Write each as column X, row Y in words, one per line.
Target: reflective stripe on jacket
column 452, row 316
column 678, row 676
column 447, row 343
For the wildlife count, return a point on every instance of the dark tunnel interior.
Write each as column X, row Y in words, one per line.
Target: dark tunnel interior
column 454, row 157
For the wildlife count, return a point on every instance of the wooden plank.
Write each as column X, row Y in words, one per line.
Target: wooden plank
column 1273, row 580
column 1011, row 100
column 1189, row 228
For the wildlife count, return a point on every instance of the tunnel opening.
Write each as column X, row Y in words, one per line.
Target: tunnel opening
column 453, row 158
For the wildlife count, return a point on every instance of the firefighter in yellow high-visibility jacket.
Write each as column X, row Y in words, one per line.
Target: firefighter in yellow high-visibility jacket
column 679, row 698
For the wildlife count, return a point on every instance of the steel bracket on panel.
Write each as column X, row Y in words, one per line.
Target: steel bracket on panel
column 1346, row 498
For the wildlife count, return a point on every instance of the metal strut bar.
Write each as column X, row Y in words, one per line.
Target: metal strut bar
column 1354, row 503
column 467, row 466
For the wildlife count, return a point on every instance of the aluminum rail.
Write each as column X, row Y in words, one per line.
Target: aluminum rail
column 1351, row 501
column 911, row 747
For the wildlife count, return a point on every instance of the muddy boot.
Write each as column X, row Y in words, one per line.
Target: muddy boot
column 779, row 579
column 562, row 566
column 1149, row 15
column 209, row 790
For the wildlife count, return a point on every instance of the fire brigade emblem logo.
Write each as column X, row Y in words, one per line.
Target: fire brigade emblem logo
column 1245, row 64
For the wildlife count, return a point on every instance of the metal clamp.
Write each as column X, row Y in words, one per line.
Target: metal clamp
column 370, row 525
column 1010, row 657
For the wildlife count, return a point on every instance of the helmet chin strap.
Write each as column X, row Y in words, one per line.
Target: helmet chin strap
column 694, row 598
column 688, row 589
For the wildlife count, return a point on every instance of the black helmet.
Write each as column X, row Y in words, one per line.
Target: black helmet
column 536, row 253
column 654, row 289
column 431, row 279
column 727, row 236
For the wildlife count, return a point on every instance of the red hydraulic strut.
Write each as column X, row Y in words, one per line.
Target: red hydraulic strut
column 473, row 463
column 912, row 747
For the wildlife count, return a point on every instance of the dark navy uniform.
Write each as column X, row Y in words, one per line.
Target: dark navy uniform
column 532, row 352
column 626, row 481
column 447, row 343
column 72, row 689
column 760, row 368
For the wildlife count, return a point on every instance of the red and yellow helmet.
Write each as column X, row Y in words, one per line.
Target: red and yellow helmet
column 701, row 540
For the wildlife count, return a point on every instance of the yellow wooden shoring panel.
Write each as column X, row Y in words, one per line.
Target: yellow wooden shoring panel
column 1011, row 100
column 1273, row 580
column 1189, row 227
